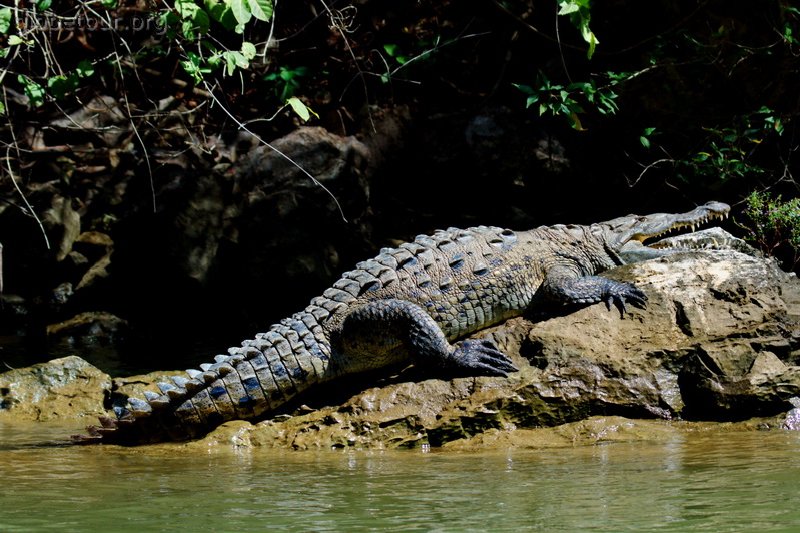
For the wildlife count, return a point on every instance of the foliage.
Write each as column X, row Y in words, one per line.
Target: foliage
column 571, row 100
column 209, row 36
column 729, row 150
column 702, row 106
column 287, row 80
column 773, row 225
column 579, row 15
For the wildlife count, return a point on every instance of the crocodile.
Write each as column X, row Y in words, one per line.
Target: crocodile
column 417, row 303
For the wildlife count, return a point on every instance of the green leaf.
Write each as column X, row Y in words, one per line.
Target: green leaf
column 242, row 13
column 5, row 20
column 524, row 88
column 568, row 7
column 60, row 86
column 14, row 40
column 233, row 60
column 575, row 122
column 241, row 61
column 301, row 109
column 645, row 141
column 186, row 8
column 42, row 5
column 215, row 61
column 248, row 50
column 201, row 21
column 110, row 4
column 261, row 9
column 195, row 20
column 2, row 109
column 589, row 37
column 222, row 13
column 33, row 90
column 192, row 66
column 187, row 29
column 85, row 68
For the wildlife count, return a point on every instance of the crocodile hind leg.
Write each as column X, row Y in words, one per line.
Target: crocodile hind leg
column 385, row 332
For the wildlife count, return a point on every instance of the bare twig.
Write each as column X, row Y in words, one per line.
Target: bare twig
column 28, row 206
column 336, row 22
column 561, row 50
column 648, row 167
column 274, row 149
column 14, row 179
column 118, row 62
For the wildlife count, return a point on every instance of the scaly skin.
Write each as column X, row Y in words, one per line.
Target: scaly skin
column 408, row 304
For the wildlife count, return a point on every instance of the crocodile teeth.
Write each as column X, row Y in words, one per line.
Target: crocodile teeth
column 150, row 396
column 179, row 381
column 205, row 366
column 220, row 358
column 194, row 374
column 165, row 387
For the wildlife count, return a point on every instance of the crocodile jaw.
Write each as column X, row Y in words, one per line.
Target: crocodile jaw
column 627, row 235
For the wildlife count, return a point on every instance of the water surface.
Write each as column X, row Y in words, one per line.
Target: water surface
column 708, row 481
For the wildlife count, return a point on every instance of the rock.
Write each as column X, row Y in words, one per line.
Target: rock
column 89, row 327
column 64, row 388
column 792, row 419
column 64, row 222
column 597, row 430
column 99, row 247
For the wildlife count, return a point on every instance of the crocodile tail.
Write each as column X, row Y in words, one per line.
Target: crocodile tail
column 248, row 383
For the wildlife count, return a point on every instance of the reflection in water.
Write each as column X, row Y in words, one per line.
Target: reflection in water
column 711, row 481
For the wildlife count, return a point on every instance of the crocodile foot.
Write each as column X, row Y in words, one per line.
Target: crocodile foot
column 620, row 293
column 480, row 357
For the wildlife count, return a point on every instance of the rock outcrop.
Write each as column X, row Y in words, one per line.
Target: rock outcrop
column 66, row 388
column 718, row 341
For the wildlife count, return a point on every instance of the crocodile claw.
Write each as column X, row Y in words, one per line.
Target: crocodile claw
column 481, row 357
column 623, row 293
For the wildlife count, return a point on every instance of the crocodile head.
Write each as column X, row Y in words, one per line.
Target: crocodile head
column 625, row 237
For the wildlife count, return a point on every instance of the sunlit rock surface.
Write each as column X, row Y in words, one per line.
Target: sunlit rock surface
column 65, row 388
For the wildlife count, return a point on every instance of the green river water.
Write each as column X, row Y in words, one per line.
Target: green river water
column 709, row 481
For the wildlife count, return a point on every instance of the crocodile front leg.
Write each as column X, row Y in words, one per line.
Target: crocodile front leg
column 564, row 286
column 386, row 332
